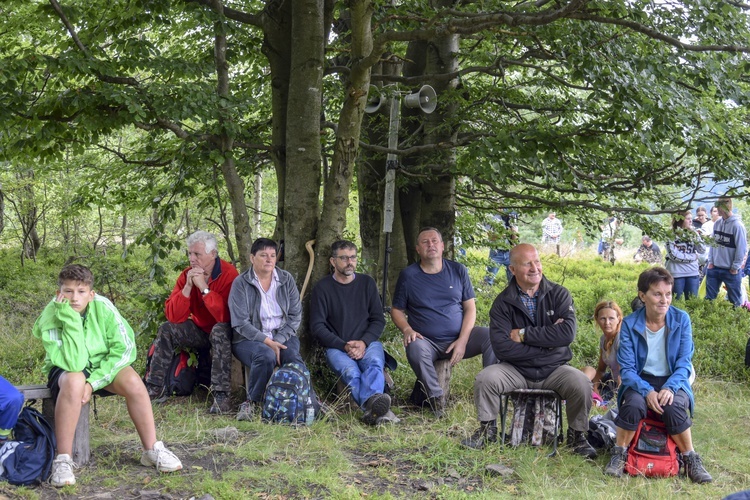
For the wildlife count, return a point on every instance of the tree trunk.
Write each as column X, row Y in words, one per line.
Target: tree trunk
column 370, row 177
column 277, row 47
column 258, row 203
column 338, row 185
column 124, row 234
column 410, row 194
column 303, row 167
column 2, row 210
column 235, row 184
column 439, row 194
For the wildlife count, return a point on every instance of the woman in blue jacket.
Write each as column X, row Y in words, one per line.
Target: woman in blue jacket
column 655, row 353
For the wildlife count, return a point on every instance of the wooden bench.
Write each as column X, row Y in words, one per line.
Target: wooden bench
column 81, row 442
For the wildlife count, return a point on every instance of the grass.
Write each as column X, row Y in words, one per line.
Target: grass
column 420, row 457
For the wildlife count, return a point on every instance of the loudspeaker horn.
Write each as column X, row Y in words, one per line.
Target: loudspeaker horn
column 425, row 99
column 374, row 100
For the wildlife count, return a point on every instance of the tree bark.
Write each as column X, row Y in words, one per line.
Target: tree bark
column 124, row 234
column 257, row 202
column 235, row 184
column 277, row 47
column 2, row 210
column 338, row 185
column 439, row 194
column 302, row 192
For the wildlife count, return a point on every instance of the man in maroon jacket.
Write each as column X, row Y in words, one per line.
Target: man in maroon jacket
column 198, row 317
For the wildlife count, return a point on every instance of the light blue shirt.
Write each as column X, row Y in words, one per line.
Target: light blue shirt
column 656, row 362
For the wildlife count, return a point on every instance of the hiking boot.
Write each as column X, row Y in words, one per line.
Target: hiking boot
column 487, row 433
column 375, row 407
column 437, row 406
column 246, row 411
column 616, row 465
column 388, row 418
column 694, row 468
column 577, row 441
column 156, row 394
column 62, row 471
column 161, row 458
column 222, row 404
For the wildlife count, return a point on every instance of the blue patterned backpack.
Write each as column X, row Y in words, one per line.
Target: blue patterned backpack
column 289, row 398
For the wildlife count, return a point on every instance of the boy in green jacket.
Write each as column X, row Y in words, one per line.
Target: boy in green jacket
column 90, row 348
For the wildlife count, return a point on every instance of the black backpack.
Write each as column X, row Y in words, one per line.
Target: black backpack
column 602, row 432
column 181, row 376
column 30, row 460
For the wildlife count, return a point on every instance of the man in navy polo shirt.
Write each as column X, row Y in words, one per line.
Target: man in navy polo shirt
column 434, row 308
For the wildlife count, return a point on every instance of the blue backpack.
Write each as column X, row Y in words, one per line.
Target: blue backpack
column 289, row 398
column 30, row 462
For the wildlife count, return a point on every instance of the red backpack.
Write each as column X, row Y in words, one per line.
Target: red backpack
column 653, row 452
column 181, row 377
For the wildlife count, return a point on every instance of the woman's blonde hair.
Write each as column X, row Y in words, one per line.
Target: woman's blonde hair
column 608, row 304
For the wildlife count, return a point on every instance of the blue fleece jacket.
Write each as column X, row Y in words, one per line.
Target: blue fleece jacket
column 633, row 352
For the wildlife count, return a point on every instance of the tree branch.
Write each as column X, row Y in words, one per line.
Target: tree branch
column 119, row 80
column 657, row 35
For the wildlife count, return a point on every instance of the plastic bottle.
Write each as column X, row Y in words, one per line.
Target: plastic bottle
column 309, row 412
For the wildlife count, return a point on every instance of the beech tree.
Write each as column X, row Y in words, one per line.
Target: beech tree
column 583, row 106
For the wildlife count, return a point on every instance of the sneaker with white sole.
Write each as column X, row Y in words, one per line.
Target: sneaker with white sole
column 161, row 458
column 62, row 471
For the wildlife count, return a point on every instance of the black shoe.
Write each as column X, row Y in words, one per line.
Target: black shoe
column 375, row 407
column 156, row 394
column 577, row 441
column 487, row 433
column 437, row 406
column 694, row 468
column 616, row 465
column 222, row 404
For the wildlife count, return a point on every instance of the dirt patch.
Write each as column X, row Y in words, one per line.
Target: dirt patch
column 115, row 472
column 396, row 474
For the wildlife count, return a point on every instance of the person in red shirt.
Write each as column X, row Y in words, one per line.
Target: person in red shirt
column 198, row 317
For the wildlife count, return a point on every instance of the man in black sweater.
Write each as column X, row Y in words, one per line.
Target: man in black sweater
column 347, row 319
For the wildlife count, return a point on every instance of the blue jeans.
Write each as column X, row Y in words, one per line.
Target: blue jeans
column 687, row 284
column 261, row 361
column 500, row 258
column 715, row 276
column 363, row 376
column 11, row 402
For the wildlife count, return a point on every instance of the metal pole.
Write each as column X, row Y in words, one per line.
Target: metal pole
column 389, row 209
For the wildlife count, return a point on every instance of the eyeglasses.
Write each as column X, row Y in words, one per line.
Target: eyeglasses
column 346, row 258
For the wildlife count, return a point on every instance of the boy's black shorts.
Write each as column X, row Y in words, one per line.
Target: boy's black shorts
column 54, row 386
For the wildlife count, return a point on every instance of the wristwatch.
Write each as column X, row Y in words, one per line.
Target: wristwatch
column 205, row 291
column 522, row 334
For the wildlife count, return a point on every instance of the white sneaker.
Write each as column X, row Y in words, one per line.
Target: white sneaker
column 62, row 471
column 161, row 458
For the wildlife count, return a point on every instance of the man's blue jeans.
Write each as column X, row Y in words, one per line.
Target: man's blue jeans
column 363, row 376
column 715, row 276
column 499, row 258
